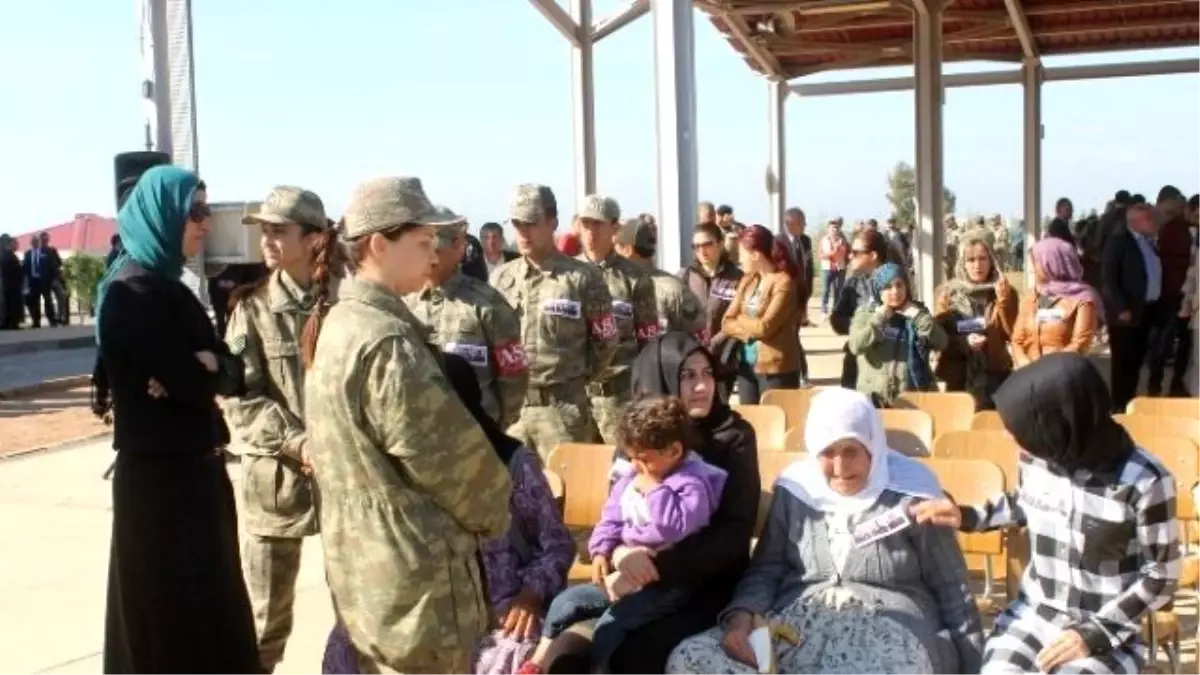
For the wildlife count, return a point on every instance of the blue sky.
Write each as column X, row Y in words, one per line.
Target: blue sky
column 474, row 97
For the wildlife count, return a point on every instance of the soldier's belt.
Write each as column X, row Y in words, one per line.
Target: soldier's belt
column 540, row 396
column 617, row 386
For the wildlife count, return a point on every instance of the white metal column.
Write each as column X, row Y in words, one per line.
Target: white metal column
column 583, row 101
column 170, row 94
column 927, row 52
column 1032, row 84
column 777, row 94
column 675, row 113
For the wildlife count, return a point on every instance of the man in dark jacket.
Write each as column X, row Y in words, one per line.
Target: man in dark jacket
column 12, row 282
column 1170, row 335
column 1131, row 287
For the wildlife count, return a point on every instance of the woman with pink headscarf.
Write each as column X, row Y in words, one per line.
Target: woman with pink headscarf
column 1062, row 313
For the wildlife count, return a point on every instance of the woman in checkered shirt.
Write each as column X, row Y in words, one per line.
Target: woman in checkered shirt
column 1101, row 518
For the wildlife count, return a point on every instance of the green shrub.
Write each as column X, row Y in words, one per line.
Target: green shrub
column 82, row 274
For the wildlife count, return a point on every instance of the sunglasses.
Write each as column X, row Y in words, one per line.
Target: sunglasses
column 858, row 251
column 703, row 244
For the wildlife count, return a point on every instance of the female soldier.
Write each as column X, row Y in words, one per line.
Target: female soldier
column 264, row 331
column 409, row 482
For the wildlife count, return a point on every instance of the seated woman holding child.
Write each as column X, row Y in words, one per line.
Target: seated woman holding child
column 703, row 566
column 663, row 493
column 842, row 567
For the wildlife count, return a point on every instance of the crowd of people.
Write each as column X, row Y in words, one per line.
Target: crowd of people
column 390, row 401
column 32, row 284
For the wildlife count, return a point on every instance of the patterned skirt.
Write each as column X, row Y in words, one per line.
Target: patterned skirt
column 495, row 655
column 853, row 637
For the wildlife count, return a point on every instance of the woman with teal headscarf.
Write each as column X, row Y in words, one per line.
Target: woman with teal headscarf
column 892, row 337
column 176, row 598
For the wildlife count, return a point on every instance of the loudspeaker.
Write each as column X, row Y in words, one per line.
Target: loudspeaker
column 128, row 167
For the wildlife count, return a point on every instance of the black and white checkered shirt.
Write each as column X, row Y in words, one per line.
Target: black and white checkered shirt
column 1103, row 552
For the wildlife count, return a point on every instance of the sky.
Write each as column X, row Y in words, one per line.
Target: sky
column 474, row 96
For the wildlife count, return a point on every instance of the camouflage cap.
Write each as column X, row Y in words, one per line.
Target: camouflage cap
column 450, row 230
column 638, row 234
column 384, row 203
column 595, row 207
column 290, row 204
column 531, row 203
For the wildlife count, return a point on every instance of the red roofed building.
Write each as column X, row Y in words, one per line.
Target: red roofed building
column 87, row 233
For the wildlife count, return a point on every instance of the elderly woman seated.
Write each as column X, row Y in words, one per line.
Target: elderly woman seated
column 843, row 569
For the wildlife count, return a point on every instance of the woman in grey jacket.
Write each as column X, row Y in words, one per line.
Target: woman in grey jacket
column 841, row 564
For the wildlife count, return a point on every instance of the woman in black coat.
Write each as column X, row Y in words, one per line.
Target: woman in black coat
column 176, row 598
column 712, row 560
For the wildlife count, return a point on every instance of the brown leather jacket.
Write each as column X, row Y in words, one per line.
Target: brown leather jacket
column 716, row 292
column 1065, row 325
column 776, row 327
column 952, row 363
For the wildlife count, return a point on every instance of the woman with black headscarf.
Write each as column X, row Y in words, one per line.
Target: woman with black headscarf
column 712, row 560
column 1101, row 518
column 524, row 569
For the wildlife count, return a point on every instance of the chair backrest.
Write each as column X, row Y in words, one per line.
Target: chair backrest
column 793, row 440
column 770, row 465
column 1182, row 457
column 972, row 481
column 950, row 410
column 1171, row 407
column 794, row 403
column 909, row 432
column 987, row 420
column 769, row 423
column 1146, row 426
column 584, row 469
column 557, row 489
column 985, row 444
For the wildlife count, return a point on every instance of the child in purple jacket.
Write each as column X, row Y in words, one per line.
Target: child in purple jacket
column 661, row 495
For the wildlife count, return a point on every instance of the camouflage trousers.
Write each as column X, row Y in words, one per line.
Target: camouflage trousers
column 271, row 566
column 562, row 418
column 449, row 661
column 607, row 412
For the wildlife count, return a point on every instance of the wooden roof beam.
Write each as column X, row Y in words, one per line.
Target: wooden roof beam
column 631, row 12
column 1016, row 15
column 740, row 32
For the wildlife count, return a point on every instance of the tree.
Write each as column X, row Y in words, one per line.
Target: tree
column 902, row 190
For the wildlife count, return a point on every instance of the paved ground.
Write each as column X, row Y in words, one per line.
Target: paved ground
column 31, row 367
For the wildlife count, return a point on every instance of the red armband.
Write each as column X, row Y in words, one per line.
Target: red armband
column 510, row 358
column 603, row 327
column 647, row 331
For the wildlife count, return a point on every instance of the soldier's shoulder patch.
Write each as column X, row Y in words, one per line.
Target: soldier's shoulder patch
column 238, row 344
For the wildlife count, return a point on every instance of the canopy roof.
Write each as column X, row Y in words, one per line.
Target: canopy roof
column 788, row 39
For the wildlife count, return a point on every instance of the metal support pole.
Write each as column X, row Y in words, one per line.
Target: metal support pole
column 583, row 101
column 777, row 94
column 931, row 236
column 171, row 97
column 1032, row 85
column 675, row 114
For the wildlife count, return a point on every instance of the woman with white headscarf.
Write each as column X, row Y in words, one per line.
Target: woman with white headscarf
column 842, row 564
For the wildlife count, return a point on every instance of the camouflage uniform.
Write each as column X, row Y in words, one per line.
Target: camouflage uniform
column 677, row 306
column 1003, row 242
column 636, row 310
column 278, row 504
column 950, row 254
column 409, row 482
column 568, row 331
column 469, row 318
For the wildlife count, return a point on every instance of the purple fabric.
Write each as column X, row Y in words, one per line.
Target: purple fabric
column 535, row 516
column 680, row 506
column 1060, row 263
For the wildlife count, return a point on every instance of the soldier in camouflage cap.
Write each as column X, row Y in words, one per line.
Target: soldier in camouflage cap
column 470, row 318
column 633, row 304
column 265, row 328
column 409, row 482
column 567, row 325
column 1003, row 242
column 678, row 307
